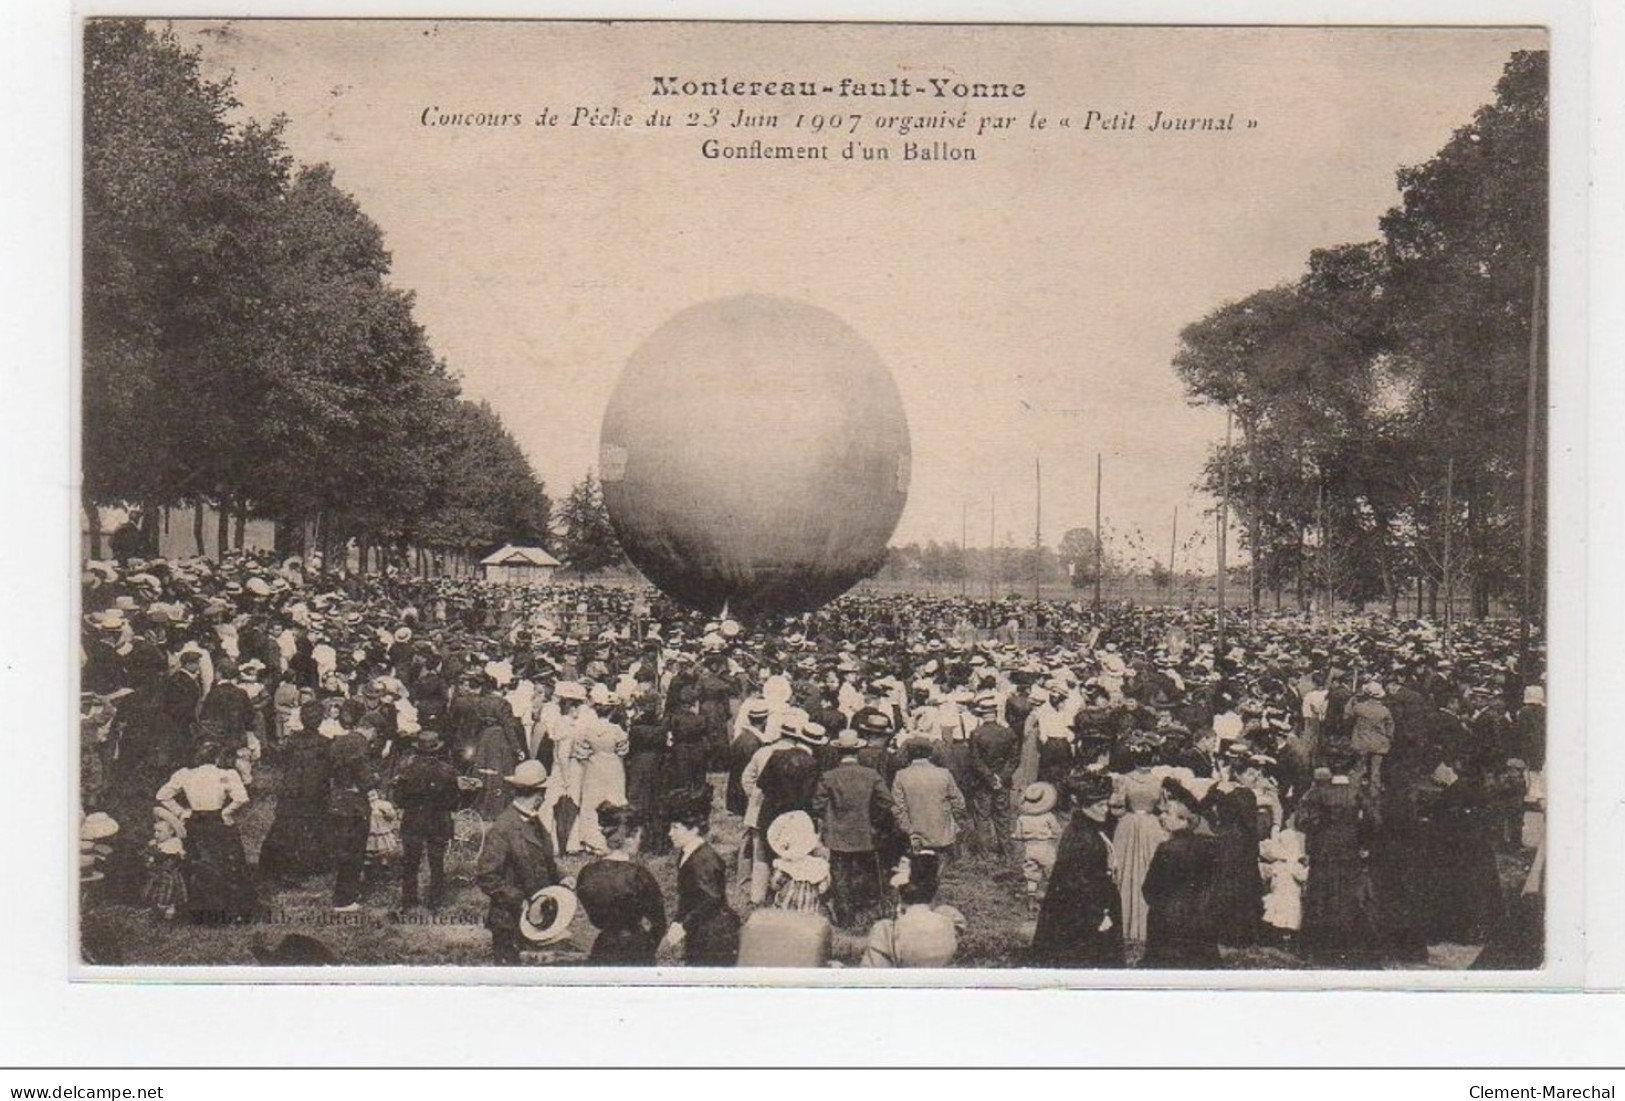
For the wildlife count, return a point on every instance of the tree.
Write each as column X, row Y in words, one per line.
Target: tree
column 173, row 285
column 586, row 535
column 242, row 346
column 1463, row 248
column 1081, row 555
column 485, row 493
column 1381, row 398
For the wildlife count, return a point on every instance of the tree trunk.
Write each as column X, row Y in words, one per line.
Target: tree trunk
column 238, row 528
column 222, row 527
column 363, row 545
column 93, row 527
column 1433, row 599
column 197, row 529
column 150, row 514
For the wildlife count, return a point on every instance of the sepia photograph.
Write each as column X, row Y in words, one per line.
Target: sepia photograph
column 828, row 499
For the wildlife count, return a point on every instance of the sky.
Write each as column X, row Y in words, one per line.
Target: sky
column 1028, row 303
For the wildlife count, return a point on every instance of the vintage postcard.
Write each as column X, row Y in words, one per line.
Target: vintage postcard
column 853, row 502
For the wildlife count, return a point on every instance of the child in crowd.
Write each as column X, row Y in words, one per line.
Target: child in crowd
column 1039, row 830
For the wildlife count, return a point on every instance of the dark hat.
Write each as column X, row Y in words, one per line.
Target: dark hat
column 1088, row 787
column 1176, row 792
column 691, row 807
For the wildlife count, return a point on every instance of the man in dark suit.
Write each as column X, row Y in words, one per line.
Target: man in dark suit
column 426, row 792
column 994, row 752
column 177, row 718
column 850, row 800
column 224, row 713
column 517, row 860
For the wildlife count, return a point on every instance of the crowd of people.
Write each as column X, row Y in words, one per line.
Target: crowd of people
column 1167, row 787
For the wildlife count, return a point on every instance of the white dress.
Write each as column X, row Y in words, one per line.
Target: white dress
column 599, row 747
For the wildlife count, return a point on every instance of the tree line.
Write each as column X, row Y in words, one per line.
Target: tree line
column 1387, row 405
column 243, row 348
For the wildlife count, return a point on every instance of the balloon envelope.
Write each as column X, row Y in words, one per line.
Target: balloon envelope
column 755, row 455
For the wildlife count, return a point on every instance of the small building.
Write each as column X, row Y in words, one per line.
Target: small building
column 519, row 566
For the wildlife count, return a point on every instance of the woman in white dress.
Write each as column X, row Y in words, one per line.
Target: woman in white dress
column 600, row 745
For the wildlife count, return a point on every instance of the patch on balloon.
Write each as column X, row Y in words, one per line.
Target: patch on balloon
column 904, row 464
column 611, row 462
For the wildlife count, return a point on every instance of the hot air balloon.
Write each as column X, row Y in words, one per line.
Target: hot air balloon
column 755, row 457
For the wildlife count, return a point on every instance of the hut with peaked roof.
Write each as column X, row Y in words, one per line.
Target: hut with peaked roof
column 514, row 565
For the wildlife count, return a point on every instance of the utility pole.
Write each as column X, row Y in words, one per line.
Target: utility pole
column 964, row 552
column 1173, row 543
column 992, row 516
column 1224, row 522
column 1038, row 527
column 1100, row 541
column 1531, row 439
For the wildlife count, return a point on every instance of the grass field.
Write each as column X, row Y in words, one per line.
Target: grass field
column 988, row 891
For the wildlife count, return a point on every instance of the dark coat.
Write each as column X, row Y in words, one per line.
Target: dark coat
column 516, row 862
column 104, row 669
column 690, row 752
column 788, row 782
column 744, row 747
column 1081, row 897
column 298, row 840
column 178, row 712
column 710, row 925
column 955, row 757
column 994, row 752
column 850, row 800
column 350, row 771
column 225, row 714
column 1238, row 888
column 1409, row 711
column 426, row 792
column 1178, row 887
column 622, row 898
column 1466, row 885
column 1338, row 910
column 430, row 695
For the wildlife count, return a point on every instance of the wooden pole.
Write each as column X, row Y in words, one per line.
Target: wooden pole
column 1224, row 521
column 1173, row 544
column 964, row 553
column 1038, row 527
column 1531, row 439
column 1100, row 540
column 992, row 525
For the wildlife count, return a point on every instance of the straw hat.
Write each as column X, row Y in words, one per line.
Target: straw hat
column 546, row 916
column 1038, row 798
column 529, row 776
column 792, row 835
